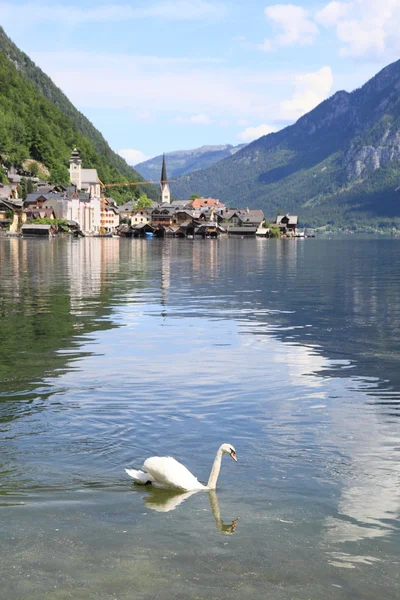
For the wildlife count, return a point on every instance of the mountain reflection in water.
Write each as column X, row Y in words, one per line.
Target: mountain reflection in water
column 114, row 350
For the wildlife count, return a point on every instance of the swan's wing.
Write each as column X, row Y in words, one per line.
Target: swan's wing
column 139, row 476
column 171, row 473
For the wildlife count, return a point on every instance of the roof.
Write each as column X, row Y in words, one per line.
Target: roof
column 163, row 211
column 180, row 203
column 11, row 204
column 40, row 213
column 253, row 216
column 292, row 219
column 124, row 228
column 200, row 202
column 111, row 208
column 128, row 206
column 242, row 230
column 142, row 225
column 75, row 153
column 164, row 171
column 36, row 227
column 89, row 176
column 140, row 211
column 35, row 197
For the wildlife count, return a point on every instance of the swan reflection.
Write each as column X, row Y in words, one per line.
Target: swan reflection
column 164, row 501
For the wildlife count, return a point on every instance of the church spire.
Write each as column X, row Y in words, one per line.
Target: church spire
column 165, row 191
column 164, row 177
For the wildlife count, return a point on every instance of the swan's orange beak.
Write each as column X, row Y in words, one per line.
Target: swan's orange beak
column 233, row 454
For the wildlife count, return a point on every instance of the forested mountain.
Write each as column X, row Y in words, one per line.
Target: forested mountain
column 339, row 163
column 182, row 162
column 38, row 121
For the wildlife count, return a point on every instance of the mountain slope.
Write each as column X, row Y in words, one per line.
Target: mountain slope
column 95, row 150
column 339, row 163
column 183, row 162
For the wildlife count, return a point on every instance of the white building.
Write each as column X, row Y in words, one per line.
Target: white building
column 85, row 180
column 86, row 212
column 140, row 217
column 87, row 207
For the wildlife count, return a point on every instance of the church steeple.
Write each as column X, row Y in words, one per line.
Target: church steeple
column 165, row 191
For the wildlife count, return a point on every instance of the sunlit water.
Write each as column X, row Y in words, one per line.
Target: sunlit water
column 116, row 350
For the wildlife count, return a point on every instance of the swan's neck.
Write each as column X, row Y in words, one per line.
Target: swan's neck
column 212, row 480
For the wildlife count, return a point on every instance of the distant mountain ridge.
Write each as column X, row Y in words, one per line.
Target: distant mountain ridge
column 182, row 162
column 111, row 166
column 340, row 163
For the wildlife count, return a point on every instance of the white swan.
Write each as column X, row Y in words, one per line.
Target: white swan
column 166, row 472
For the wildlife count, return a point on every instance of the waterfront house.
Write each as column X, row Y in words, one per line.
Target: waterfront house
column 163, row 215
column 231, row 217
column 140, row 230
column 262, row 231
column 139, row 216
column 126, row 210
column 287, row 224
column 109, row 216
column 32, row 230
column 183, row 216
column 252, row 218
column 242, row 231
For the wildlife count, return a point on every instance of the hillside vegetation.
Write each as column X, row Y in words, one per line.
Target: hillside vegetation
column 338, row 164
column 38, row 121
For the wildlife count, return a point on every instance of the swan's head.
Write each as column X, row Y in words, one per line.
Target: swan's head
column 229, row 449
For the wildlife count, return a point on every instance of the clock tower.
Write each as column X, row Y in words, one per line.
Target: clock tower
column 75, row 169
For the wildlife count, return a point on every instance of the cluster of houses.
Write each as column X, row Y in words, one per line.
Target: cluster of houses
column 84, row 210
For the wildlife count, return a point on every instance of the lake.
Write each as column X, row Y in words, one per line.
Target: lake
column 116, row 350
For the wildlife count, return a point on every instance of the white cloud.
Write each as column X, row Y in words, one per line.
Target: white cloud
column 133, row 157
column 174, row 10
column 254, row 133
column 194, row 120
column 295, row 25
column 309, row 91
column 364, row 27
column 331, row 13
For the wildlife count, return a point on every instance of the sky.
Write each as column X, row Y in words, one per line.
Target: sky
column 161, row 75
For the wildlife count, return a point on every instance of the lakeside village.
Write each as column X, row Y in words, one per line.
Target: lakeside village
column 82, row 210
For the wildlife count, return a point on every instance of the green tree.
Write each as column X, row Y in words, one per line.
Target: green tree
column 274, row 232
column 144, row 202
column 194, row 196
column 23, row 188
column 30, row 186
column 34, row 169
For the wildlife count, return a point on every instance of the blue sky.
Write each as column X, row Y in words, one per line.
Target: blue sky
column 162, row 75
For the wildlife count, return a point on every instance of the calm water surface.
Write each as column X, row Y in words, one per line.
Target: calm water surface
column 114, row 350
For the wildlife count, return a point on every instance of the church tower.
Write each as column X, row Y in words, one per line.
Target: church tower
column 165, row 191
column 75, row 169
